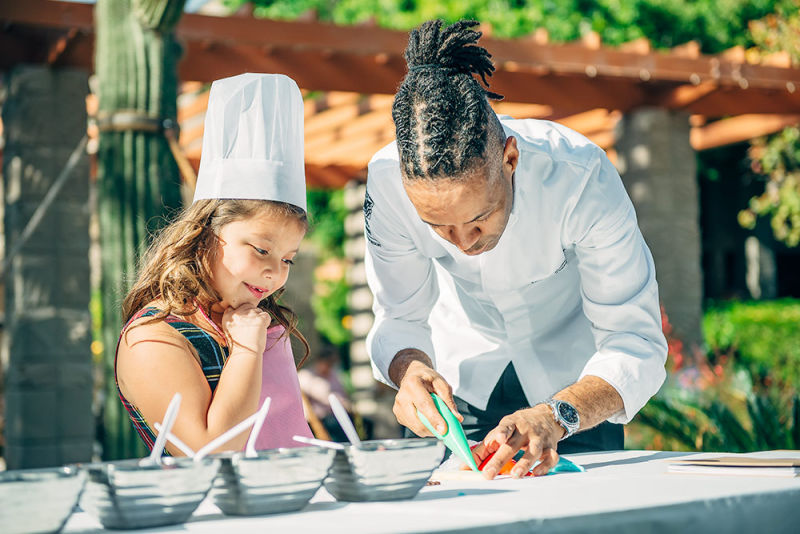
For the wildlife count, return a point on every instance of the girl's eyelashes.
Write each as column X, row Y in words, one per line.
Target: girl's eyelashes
column 266, row 253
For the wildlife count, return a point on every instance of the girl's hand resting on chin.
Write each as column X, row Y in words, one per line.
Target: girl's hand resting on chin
column 246, row 328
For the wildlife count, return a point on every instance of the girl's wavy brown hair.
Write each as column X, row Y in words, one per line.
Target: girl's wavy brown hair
column 176, row 268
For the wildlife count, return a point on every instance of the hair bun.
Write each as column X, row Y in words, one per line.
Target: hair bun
column 454, row 49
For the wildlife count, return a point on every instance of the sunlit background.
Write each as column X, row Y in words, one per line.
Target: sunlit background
column 694, row 101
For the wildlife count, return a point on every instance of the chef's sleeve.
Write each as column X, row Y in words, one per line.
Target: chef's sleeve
column 402, row 280
column 618, row 288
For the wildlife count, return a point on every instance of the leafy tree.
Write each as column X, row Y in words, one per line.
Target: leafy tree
column 715, row 24
column 777, row 156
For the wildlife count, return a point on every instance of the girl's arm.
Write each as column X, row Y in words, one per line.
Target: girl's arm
column 155, row 361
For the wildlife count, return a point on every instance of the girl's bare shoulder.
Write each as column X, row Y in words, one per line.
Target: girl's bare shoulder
column 149, row 329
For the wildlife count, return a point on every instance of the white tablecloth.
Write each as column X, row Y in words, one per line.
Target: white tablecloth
column 620, row 492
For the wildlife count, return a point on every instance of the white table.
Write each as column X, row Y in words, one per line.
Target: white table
column 620, row 492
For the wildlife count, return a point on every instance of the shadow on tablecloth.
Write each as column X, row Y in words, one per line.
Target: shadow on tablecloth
column 645, row 457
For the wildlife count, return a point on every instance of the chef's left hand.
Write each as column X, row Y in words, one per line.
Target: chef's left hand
column 533, row 430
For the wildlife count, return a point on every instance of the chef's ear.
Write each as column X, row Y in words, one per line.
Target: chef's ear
column 510, row 155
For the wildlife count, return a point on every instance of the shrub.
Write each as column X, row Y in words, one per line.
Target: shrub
column 763, row 336
column 713, row 401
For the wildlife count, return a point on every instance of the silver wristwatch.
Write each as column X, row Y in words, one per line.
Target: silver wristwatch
column 566, row 415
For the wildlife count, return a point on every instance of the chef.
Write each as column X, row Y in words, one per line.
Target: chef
column 509, row 274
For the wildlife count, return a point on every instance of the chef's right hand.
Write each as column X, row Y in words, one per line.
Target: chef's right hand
column 412, row 371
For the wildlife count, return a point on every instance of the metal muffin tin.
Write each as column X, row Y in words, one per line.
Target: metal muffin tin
column 383, row 470
column 38, row 500
column 125, row 495
column 275, row 481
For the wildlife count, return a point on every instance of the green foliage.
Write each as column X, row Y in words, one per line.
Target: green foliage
column 763, row 336
column 327, row 212
column 716, row 24
column 777, row 157
column 737, row 397
column 329, row 303
column 708, row 424
column 329, row 300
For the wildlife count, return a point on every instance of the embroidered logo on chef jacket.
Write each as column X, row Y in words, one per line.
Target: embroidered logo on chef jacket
column 367, row 216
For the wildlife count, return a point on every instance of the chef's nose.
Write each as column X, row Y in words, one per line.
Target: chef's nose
column 464, row 238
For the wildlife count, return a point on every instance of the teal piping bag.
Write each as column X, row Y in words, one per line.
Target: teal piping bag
column 454, row 439
column 566, row 466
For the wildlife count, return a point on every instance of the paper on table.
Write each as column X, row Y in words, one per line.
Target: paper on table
column 738, row 465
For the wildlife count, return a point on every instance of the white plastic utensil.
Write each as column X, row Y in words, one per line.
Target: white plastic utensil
column 250, row 448
column 344, row 420
column 175, row 440
column 169, row 419
column 319, row 442
column 225, row 436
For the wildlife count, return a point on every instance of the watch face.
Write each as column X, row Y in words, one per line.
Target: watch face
column 568, row 413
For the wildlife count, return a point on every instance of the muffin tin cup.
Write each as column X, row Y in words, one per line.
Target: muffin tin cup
column 383, row 470
column 126, row 495
column 38, row 500
column 275, row 481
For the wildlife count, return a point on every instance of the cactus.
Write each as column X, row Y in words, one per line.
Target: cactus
column 138, row 181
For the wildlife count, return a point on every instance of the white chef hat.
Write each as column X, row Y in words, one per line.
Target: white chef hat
column 253, row 140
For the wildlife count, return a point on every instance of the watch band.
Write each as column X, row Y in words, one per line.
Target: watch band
column 565, row 415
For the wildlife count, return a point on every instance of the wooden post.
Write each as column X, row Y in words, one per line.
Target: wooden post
column 138, row 180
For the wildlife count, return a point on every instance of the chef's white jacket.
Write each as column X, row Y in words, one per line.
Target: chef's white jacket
column 569, row 290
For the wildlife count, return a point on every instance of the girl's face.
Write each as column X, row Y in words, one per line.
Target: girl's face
column 253, row 258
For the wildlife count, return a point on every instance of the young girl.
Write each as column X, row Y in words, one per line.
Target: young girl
column 203, row 318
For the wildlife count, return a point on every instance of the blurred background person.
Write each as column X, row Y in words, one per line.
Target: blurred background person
column 317, row 381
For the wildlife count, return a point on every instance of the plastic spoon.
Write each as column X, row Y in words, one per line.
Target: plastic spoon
column 319, row 442
column 454, row 438
column 225, row 437
column 175, row 440
column 169, row 419
column 250, row 448
column 344, row 420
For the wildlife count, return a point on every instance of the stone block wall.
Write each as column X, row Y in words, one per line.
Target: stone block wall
column 47, row 330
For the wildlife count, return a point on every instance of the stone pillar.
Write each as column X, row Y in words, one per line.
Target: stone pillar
column 372, row 399
column 659, row 169
column 46, row 356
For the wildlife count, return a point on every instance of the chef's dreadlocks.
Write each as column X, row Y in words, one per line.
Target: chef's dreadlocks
column 442, row 117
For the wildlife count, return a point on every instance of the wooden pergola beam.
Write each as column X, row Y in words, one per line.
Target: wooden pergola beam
column 522, row 111
column 685, row 95
column 194, row 107
column 574, row 83
column 333, row 117
column 318, row 176
column 738, row 129
column 569, row 77
column 373, row 124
